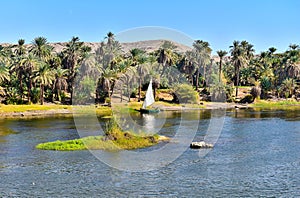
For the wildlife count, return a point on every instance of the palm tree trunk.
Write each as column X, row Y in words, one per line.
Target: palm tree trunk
column 29, row 90
column 237, row 82
column 128, row 94
column 42, row 94
column 21, row 87
column 140, row 89
column 121, row 95
column 220, row 70
column 204, row 75
column 197, row 78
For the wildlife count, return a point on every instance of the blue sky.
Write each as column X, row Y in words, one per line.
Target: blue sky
column 264, row 23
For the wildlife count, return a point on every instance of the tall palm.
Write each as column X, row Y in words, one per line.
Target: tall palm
column 20, row 48
column 110, row 38
column 107, row 81
column 139, row 59
column 128, row 79
column 72, row 57
column 41, row 48
column 189, row 63
column 238, row 59
column 203, row 52
column 221, row 54
column 111, row 51
column 29, row 63
column 142, row 71
column 166, row 55
column 60, row 82
column 294, row 46
column 241, row 54
column 45, row 77
column 272, row 50
column 18, row 68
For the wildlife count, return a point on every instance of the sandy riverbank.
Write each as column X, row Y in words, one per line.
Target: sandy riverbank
column 31, row 111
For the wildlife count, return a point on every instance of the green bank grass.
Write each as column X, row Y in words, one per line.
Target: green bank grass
column 284, row 104
column 32, row 107
column 113, row 140
column 99, row 110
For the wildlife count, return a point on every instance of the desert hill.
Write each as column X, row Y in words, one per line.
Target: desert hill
column 148, row 45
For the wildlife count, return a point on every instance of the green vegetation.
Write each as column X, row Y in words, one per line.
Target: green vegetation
column 114, row 139
column 184, row 93
column 280, row 105
column 32, row 107
column 35, row 73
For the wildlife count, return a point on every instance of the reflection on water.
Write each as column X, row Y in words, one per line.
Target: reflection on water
column 257, row 155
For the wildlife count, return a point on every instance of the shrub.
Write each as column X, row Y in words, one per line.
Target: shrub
column 266, row 85
column 184, row 93
column 255, row 92
column 218, row 93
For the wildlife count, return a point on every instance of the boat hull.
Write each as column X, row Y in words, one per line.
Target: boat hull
column 149, row 111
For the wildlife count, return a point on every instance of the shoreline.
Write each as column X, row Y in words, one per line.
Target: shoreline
column 61, row 110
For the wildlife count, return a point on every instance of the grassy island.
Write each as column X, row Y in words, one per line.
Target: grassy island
column 114, row 139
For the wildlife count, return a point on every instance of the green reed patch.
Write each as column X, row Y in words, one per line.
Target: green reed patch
column 114, row 139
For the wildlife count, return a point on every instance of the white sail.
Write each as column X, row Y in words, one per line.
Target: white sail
column 149, row 99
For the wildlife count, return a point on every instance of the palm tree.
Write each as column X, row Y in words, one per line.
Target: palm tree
column 72, row 57
column 4, row 73
column 110, row 38
column 187, row 65
column 18, row 68
column 6, row 54
column 293, row 68
column 135, row 56
column 142, row 70
column 29, row 63
column 128, row 79
column 287, row 87
column 60, row 82
column 20, row 50
column 203, row 51
column 240, row 54
column 139, row 59
column 166, row 55
column 107, row 81
column 221, row 54
column 272, row 50
column 44, row 76
column 41, row 48
column 294, row 46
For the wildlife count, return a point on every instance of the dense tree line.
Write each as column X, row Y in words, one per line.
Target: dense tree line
column 34, row 73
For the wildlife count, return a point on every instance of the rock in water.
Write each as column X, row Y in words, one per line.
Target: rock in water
column 199, row 145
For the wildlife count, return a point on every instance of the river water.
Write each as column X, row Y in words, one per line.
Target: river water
column 256, row 155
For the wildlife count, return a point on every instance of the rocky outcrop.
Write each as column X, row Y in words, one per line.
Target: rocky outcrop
column 200, row 145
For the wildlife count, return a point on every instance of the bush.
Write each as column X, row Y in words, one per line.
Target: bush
column 255, row 92
column 35, row 95
column 218, row 93
column 184, row 93
column 266, row 86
